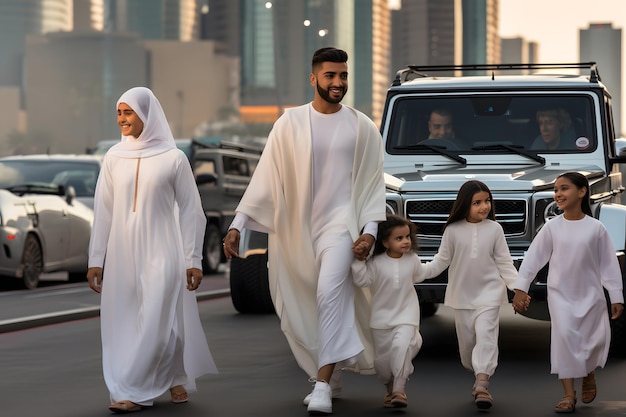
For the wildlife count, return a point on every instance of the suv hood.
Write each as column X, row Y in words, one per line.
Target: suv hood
column 518, row 178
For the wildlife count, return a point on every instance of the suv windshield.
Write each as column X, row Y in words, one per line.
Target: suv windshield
column 526, row 124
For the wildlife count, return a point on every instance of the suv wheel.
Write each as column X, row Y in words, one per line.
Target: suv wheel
column 212, row 249
column 249, row 285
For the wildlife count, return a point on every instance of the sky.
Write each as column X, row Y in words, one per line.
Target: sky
column 554, row 24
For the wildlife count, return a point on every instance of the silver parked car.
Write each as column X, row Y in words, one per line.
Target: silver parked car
column 46, row 214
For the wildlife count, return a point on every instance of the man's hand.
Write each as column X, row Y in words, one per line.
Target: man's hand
column 616, row 310
column 94, row 277
column 194, row 278
column 231, row 244
column 362, row 246
column 521, row 301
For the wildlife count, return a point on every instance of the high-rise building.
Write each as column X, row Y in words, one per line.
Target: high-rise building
column 518, row 51
column 533, row 52
column 602, row 43
column 177, row 20
column 88, row 15
column 481, row 41
column 371, row 60
column 19, row 18
column 277, row 39
column 427, row 32
column 220, row 22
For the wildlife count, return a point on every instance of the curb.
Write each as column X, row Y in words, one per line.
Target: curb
column 63, row 316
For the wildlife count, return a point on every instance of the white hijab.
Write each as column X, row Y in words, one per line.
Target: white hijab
column 156, row 136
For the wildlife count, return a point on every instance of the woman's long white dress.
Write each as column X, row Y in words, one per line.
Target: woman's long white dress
column 150, row 225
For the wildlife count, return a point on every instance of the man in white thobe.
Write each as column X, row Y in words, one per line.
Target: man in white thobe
column 318, row 191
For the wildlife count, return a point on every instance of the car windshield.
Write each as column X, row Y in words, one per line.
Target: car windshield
column 81, row 175
column 526, row 124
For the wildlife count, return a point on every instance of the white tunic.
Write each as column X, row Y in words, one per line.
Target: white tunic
column 280, row 199
column 152, row 337
column 480, row 264
column 394, row 300
column 582, row 261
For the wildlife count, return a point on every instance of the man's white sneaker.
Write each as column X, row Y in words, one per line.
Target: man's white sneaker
column 335, row 392
column 321, row 402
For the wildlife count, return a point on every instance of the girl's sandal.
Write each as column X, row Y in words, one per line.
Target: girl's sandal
column 566, row 405
column 387, row 401
column 399, row 400
column 589, row 388
column 482, row 398
column 179, row 394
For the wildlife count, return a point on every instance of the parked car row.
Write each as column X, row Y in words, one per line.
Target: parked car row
column 46, row 205
column 46, row 213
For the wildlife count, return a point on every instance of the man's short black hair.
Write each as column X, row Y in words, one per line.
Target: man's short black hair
column 328, row 54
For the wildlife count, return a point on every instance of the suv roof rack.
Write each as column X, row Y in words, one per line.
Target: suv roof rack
column 412, row 72
column 214, row 142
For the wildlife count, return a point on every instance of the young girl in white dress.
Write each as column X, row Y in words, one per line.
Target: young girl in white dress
column 390, row 273
column 582, row 262
column 480, row 269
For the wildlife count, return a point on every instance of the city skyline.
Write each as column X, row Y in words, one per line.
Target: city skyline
column 556, row 26
column 556, row 23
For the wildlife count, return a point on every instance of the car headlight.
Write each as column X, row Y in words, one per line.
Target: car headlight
column 552, row 210
column 391, row 207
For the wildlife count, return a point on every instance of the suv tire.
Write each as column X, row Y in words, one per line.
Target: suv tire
column 249, row 285
column 212, row 256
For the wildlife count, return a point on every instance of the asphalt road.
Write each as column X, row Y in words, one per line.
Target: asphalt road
column 55, row 371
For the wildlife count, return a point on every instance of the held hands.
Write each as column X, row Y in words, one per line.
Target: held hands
column 194, row 278
column 94, row 277
column 231, row 244
column 521, row 301
column 362, row 246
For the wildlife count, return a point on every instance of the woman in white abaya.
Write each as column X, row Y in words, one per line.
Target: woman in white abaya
column 145, row 260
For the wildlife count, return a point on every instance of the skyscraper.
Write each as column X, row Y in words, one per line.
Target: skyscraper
column 427, row 32
column 602, row 43
column 278, row 38
column 481, row 41
column 177, row 20
column 88, row 15
column 19, row 18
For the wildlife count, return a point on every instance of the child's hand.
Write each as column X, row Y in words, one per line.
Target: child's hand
column 616, row 310
column 521, row 301
column 361, row 247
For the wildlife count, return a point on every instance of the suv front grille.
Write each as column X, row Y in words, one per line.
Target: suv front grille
column 430, row 215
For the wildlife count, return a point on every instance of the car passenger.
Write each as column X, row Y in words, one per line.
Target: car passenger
column 555, row 130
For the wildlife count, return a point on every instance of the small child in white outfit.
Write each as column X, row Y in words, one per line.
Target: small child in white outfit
column 395, row 319
column 474, row 249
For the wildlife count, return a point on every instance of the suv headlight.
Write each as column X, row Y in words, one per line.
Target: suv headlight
column 392, row 207
column 552, row 210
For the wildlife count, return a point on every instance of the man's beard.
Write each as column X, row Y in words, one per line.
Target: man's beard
column 326, row 95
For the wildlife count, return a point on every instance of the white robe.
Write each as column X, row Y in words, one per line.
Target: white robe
column 279, row 198
column 395, row 318
column 394, row 300
column 582, row 262
column 152, row 337
column 480, row 264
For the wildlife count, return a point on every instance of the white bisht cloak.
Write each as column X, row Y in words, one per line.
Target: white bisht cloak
column 279, row 198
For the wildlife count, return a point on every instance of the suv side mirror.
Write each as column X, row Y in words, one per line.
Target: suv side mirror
column 620, row 151
column 205, row 179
